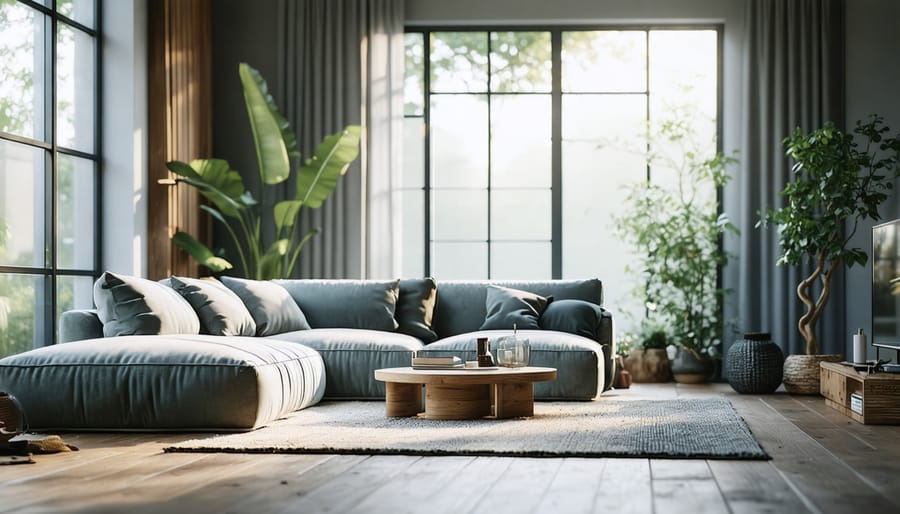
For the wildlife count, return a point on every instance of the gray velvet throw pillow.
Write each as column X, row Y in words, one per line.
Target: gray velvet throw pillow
column 136, row 306
column 221, row 311
column 272, row 308
column 573, row 316
column 506, row 307
column 415, row 308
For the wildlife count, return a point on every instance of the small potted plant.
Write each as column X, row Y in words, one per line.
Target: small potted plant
column 840, row 179
column 622, row 377
column 647, row 359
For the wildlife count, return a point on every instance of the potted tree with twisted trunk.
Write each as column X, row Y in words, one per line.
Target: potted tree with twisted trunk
column 839, row 180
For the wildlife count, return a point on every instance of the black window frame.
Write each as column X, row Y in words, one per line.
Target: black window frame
column 46, row 317
column 556, row 93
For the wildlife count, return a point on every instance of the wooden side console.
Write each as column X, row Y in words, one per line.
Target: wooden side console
column 870, row 398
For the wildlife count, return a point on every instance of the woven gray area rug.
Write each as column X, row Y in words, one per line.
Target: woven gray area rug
column 678, row 428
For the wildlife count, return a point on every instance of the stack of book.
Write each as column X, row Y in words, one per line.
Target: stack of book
column 437, row 362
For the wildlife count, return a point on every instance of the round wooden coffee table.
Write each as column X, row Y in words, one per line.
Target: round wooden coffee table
column 462, row 393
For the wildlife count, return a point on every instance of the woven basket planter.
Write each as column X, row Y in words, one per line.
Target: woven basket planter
column 801, row 372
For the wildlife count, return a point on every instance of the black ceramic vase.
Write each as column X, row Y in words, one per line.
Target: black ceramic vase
column 754, row 364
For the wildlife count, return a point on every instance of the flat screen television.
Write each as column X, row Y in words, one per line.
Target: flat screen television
column 886, row 283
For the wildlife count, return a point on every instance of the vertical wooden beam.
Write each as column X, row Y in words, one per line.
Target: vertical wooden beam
column 180, row 126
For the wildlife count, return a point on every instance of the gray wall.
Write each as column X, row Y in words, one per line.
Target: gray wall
column 873, row 86
column 241, row 32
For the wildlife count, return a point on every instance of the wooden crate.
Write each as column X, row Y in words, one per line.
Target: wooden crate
column 877, row 399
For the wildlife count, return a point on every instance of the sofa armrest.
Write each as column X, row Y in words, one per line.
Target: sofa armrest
column 606, row 336
column 79, row 324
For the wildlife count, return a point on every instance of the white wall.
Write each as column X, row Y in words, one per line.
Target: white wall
column 873, row 87
column 124, row 140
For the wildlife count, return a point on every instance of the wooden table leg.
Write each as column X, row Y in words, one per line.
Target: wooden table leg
column 402, row 400
column 513, row 400
column 457, row 402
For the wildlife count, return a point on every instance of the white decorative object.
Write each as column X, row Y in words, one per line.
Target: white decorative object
column 859, row 347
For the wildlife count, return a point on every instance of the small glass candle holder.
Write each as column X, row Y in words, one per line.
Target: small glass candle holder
column 512, row 351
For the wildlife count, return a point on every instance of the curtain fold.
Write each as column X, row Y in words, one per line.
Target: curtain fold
column 341, row 63
column 794, row 69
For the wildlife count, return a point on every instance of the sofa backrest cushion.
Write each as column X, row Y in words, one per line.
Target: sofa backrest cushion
column 460, row 305
column 342, row 303
column 512, row 308
column 136, row 306
column 221, row 311
column 272, row 308
column 415, row 308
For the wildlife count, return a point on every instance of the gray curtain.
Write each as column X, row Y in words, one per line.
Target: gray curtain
column 328, row 76
column 794, row 70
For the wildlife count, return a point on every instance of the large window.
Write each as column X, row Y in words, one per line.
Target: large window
column 48, row 166
column 519, row 145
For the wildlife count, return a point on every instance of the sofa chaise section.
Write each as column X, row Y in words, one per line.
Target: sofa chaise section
column 163, row 382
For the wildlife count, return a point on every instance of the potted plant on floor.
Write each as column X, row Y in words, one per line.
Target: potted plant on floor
column 675, row 230
column 621, row 376
column 839, row 180
column 647, row 360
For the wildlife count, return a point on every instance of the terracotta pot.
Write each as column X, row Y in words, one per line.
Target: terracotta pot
column 801, row 372
column 648, row 365
column 622, row 378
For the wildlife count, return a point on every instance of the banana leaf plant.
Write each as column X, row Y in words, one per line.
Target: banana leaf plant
column 236, row 208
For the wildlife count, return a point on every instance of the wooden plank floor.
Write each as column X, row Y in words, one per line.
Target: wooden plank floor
column 822, row 462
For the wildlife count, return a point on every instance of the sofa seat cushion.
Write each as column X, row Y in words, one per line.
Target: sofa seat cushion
column 578, row 360
column 177, row 383
column 352, row 355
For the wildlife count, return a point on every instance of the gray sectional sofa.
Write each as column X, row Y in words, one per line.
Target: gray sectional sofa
column 203, row 354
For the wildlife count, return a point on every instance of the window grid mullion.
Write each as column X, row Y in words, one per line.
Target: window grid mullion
column 426, row 114
column 556, row 154
column 50, row 233
column 490, row 134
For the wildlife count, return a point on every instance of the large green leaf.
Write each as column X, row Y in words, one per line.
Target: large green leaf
column 270, row 265
column 318, row 176
column 215, row 180
column 272, row 136
column 285, row 213
column 200, row 252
